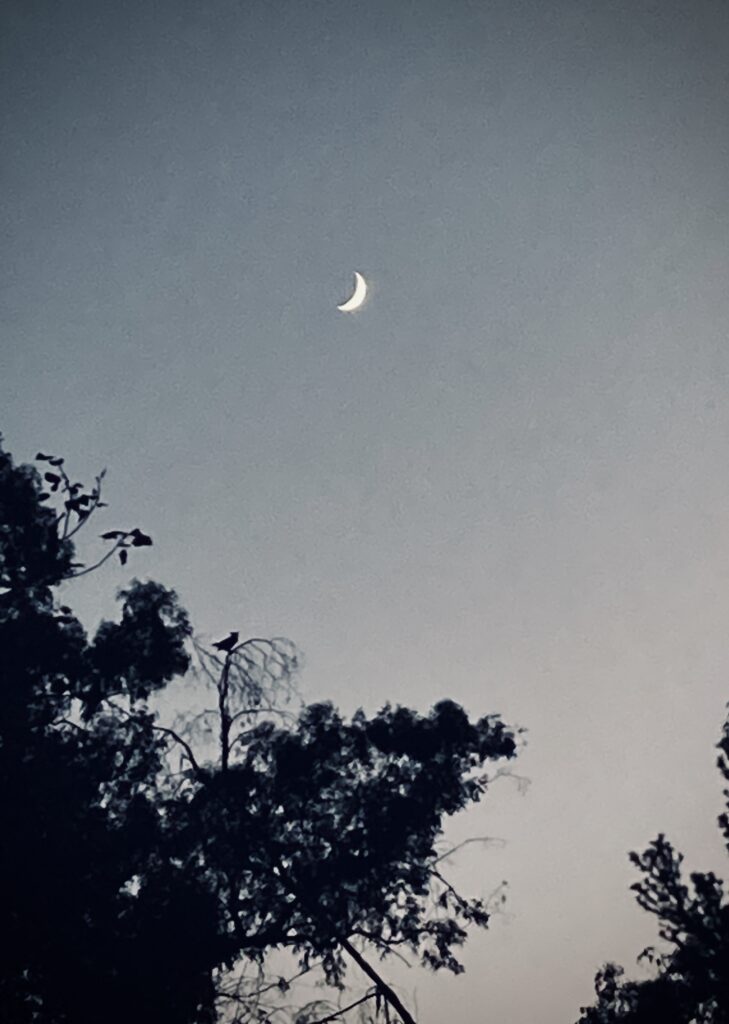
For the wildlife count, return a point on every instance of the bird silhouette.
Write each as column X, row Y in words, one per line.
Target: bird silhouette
column 228, row 644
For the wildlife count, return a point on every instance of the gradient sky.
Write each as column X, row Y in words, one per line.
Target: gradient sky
column 504, row 481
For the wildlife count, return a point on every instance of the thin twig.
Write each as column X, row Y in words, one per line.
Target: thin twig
column 163, row 729
column 337, row 1015
column 473, row 839
column 107, row 556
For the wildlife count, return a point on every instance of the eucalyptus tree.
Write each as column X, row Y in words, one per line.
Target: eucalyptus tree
column 151, row 870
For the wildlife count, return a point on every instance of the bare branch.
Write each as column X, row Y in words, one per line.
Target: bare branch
column 163, row 729
column 387, row 992
column 337, row 1015
column 473, row 839
column 90, row 568
column 523, row 782
column 185, row 746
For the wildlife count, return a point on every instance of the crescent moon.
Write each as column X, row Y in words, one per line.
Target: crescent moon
column 357, row 297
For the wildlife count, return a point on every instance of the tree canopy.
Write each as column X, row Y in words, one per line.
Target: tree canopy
column 148, row 876
column 691, row 976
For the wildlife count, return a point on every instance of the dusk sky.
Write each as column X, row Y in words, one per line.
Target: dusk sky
column 504, row 480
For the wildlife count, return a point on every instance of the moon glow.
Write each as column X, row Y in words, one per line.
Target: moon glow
column 357, row 297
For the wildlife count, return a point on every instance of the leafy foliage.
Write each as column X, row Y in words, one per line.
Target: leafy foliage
column 692, row 977
column 138, row 888
column 338, row 821
column 32, row 554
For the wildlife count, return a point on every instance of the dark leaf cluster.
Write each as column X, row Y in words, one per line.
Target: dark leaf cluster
column 328, row 830
column 129, row 889
column 89, row 925
column 691, row 983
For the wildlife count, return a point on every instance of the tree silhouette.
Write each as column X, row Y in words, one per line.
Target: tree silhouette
column 691, row 982
column 148, row 871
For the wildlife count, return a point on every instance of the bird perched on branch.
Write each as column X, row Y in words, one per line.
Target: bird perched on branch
column 228, row 644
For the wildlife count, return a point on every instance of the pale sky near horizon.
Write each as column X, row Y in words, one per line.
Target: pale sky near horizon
column 503, row 481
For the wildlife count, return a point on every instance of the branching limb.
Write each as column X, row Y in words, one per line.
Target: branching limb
column 337, row 1015
column 523, row 782
column 382, row 986
column 386, row 945
column 462, row 903
column 187, row 749
column 96, row 565
column 474, row 839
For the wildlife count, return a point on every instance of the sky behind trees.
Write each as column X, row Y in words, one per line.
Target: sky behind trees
column 505, row 480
